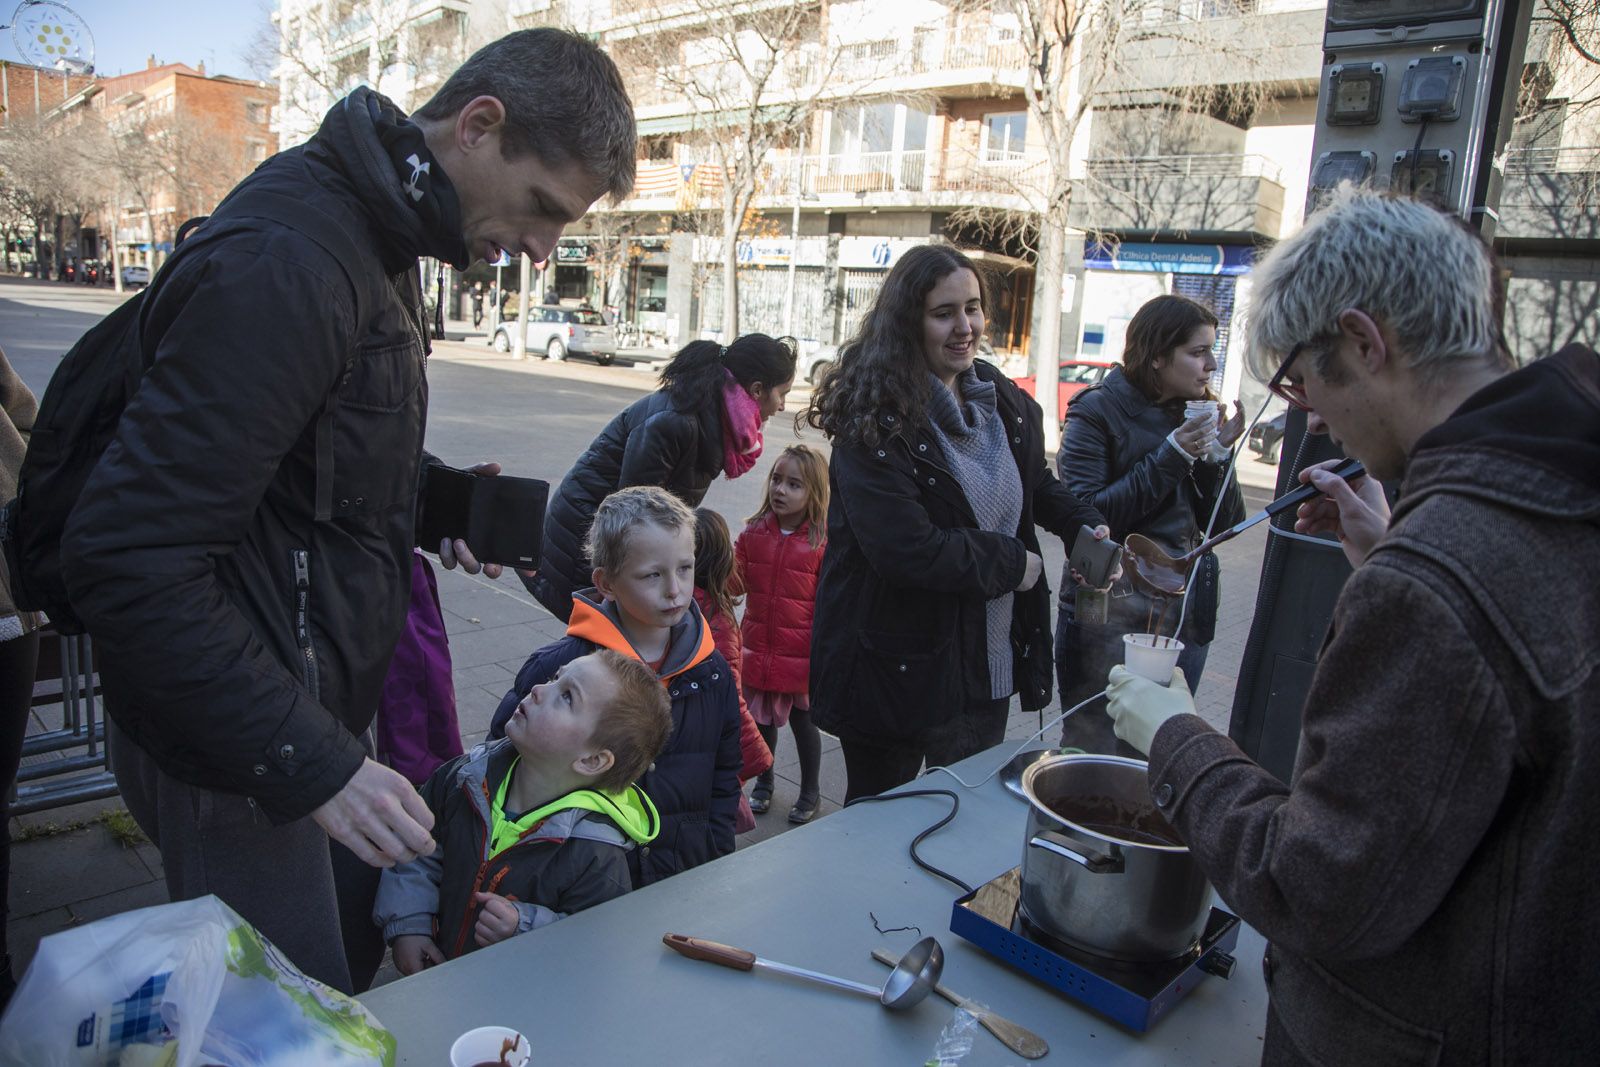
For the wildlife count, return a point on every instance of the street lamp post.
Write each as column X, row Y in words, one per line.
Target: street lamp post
column 519, row 342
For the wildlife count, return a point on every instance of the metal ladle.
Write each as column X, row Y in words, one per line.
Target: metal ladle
column 1158, row 574
column 912, row 979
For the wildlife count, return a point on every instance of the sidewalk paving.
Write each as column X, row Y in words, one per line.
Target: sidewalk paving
column 82, row 871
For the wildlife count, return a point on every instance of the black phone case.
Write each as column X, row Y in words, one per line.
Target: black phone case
column 499, row 517
column 1093, row 559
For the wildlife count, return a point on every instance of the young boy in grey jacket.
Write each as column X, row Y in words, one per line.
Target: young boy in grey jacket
column 537, row 825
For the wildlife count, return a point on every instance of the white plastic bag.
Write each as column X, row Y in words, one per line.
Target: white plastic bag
column 180, row 985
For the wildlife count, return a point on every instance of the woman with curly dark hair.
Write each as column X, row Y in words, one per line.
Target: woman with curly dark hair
column 705, row 420
column 931, row 606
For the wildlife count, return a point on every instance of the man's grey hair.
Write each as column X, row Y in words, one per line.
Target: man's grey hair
column 564, row 100
column 1416, row 270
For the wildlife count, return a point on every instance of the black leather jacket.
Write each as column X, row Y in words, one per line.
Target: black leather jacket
column 243, row 640
column 1116, row 456
column 899, row 641
column 650, row 442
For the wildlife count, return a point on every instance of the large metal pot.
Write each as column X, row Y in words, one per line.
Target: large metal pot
column 1101, row 868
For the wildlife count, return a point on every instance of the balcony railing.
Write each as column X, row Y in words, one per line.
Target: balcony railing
column 932, row 50
column 1193, row 166
column 1577, row 160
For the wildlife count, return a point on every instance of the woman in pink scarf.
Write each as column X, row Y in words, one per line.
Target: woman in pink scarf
column 705, row 420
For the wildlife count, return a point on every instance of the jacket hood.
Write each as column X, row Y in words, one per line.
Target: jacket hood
column 599, row 622
column 631, row 814
column 1530, row 440
column 348, row 140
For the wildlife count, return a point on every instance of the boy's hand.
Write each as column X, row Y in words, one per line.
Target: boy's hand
column 413, row 952
column 497, row 921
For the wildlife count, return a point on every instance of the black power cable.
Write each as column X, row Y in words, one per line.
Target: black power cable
column 955, row 806
column 1416, row 154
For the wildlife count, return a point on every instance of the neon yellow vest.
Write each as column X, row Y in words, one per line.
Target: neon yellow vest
column 630, row 809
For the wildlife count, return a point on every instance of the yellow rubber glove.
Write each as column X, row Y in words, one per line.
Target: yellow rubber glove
column 1138, row 706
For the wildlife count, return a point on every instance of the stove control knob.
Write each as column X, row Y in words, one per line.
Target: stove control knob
column 1219, row 964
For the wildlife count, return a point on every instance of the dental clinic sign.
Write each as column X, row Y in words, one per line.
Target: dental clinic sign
column 1152, row 257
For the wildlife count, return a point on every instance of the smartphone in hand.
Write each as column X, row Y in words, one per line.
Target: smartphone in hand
column 1095, row 560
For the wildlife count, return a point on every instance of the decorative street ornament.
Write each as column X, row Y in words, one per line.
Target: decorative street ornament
column 48, row 33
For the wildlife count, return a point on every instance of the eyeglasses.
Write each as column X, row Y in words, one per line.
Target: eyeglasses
column 1294, row 394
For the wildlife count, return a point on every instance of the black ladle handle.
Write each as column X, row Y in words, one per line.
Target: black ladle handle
column 1349, row 469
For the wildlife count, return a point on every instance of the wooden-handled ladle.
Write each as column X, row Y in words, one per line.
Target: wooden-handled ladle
column 1158, row 574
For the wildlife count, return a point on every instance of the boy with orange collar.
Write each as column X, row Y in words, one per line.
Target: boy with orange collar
column 642, row 605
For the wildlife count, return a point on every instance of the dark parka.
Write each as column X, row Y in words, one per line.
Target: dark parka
column 899, row 642
column 1427, row 882
column 650, row 442
column 1115, row 455
column 242, row 637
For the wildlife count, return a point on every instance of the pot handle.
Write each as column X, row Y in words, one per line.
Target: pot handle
column 1093, row 862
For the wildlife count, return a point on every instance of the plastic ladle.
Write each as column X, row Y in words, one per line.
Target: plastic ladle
column 912, row 979
column 1159, row 574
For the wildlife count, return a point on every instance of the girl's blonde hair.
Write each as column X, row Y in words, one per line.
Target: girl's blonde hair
column 814, row 475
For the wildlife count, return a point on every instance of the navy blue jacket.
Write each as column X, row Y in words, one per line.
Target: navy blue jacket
column 694, row 782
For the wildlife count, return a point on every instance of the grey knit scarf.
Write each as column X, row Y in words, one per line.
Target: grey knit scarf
column 973, row 437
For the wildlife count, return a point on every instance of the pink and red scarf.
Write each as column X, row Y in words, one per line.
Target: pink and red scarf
column 741, row 427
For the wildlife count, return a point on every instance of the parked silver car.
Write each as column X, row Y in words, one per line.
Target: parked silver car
column 562, row 331
column 135, row 274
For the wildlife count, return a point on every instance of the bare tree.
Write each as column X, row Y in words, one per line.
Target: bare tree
column 319, row 51
column 1567, row 33
column 751, row 76
column 1102, row 55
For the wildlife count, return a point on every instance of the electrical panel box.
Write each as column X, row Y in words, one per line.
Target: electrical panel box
column 1355, row 94
column 1431, row 89
column 1425, row 174
column 1369, row 14
column 1405, row 88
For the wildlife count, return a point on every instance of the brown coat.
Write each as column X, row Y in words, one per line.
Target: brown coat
column 20, row 409
column 1428, row 883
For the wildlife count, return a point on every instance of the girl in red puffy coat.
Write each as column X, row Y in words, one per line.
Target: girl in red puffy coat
column 717, row 591
column 779, row 556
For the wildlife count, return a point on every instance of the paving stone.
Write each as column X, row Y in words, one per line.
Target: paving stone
column 23, row 934
column 486, row 674
column 497, row 644
column 147, row 895
column 48, row 872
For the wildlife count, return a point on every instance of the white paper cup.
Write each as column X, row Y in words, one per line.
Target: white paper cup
column 1150, row 656
column 483, row 1045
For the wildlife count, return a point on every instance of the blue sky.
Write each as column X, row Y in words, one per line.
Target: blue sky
column 126, row 32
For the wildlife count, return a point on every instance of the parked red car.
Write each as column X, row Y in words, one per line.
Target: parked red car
column 1075, row 375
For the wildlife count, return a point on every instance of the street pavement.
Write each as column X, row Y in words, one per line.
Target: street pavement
column 535, row 417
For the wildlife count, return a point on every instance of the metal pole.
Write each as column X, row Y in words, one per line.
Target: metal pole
column 494, row 305
column 519, row 342
column 794, row 239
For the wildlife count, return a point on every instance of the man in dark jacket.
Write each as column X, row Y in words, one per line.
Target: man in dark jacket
column 241, row 553
column 1426, row 881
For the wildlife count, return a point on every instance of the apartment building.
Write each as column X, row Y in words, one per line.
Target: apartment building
column 401, row 48
column 917, row 129
column 219, row 130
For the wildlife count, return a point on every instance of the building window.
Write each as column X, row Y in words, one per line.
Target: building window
column 255, row 112
column 1005, row 136
column 258, row 151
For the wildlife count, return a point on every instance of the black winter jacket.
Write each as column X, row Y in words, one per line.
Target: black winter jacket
column 1116, row 456
column 649, row 443
column 243, row 639
column 900, row 635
